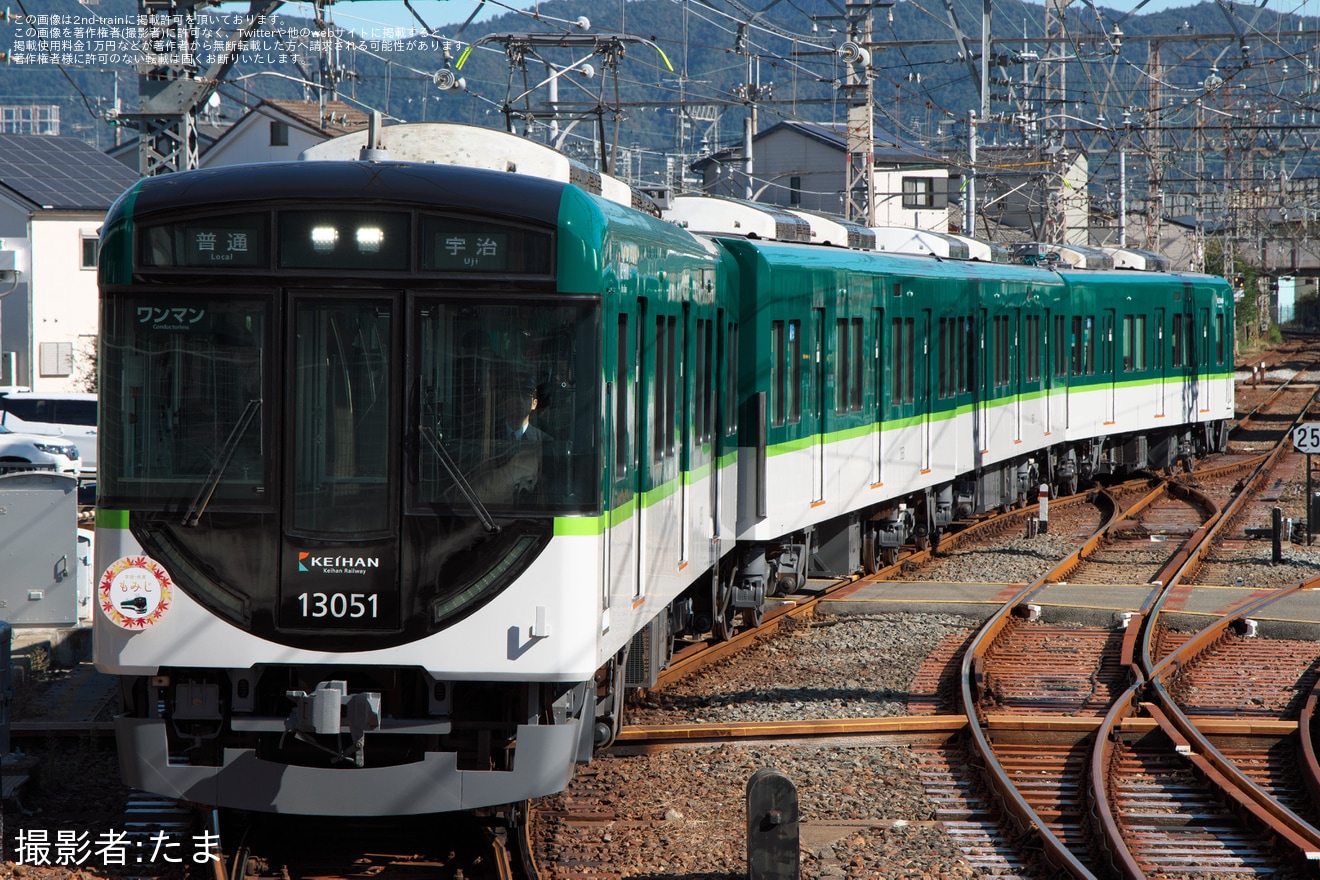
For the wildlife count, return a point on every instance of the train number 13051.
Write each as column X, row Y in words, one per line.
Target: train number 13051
column 338, row 605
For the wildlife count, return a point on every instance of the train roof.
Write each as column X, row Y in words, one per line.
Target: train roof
column 472, row 146
column 777, row 255
column 781, row 254
column 358, row 183
column 907, row 240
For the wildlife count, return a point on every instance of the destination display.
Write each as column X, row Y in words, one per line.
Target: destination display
column 347, row 239
column 451, row 244
column 233, row 242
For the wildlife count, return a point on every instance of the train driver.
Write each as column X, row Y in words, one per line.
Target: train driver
column 514, row 468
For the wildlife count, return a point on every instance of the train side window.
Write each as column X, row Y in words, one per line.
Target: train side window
column 699, row 379
column 945, row 359
column 1060, row 348
column 671, row 388
column 1219, row 339
column 1129, row 347
column 1076, row 345
column 842, row 363
column 1176, row 339
column 621, row 409
column 897, row 361
column 855, row 356
column 967, row 356
column 903, row 389
column 1031, row 348
column 1000, row 331
column 1088, row 330
column 731, row 380
column 658, row 399
column 794, row 372
column 1195, row 355
column 848, row 365
column 1159, row 339
column 777, row 374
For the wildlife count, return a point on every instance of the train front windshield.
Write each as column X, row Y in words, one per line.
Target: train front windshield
column 500, row 401
column 506, row 416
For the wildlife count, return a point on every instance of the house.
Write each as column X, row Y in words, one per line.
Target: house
column 54, row 194
column 1017, row 185
column 801, row 165
column 279, row 130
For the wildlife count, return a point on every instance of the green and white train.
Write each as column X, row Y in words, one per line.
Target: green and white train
column 332, row 582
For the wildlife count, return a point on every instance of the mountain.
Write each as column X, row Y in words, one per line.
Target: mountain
column 693, row 55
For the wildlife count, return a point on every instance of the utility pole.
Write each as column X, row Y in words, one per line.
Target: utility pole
column 171, row 83
column 750, row 92
column 969, row 195
column 859, row 175
column 1155, row 156
column 1055, row 227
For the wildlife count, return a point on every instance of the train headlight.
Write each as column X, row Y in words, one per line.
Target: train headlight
column 324, row 238
column 369, row 239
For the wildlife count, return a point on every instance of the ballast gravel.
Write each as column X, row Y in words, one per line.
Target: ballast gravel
column 682, row 813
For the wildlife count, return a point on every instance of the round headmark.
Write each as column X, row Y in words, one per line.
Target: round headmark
column 135, row 592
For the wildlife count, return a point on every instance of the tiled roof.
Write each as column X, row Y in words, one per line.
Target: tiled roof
column 61, row 173
column 340, row 117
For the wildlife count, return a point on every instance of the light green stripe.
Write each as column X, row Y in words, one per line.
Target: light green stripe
column 112, row 519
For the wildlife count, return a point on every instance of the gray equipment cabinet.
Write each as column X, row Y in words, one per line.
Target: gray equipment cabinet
column 39, row 549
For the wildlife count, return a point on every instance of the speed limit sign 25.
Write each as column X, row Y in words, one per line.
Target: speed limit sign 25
column 1306, row 437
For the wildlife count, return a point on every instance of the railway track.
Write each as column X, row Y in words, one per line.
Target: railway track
column 1054, row 700
column 1041, row 703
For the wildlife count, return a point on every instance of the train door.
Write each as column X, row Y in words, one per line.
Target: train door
column 924, row 391
column 1203, row 358
column 818, row 404
column 685, row 437
column 1160, row 363
column 1047, row 376
column 878, row 383
column 1016, row 361
column 983, row 386
column 622, row 529
column 342, row 463
column 717, row 364
column 647, row 390
column 1107, row 365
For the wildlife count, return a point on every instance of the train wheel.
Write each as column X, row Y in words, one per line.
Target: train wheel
column 722, row 602
column 888, row 555
column 1068, row 486
column 870, row 564
column 752, row 617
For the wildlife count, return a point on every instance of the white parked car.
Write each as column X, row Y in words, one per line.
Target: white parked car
column 69, row 415
column 41, row 452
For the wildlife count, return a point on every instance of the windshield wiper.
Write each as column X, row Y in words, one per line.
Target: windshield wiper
column 204, row 494
column 460, row 481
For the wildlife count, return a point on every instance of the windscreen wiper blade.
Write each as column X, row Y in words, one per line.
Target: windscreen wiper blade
column 198, row 507
column 464, row 487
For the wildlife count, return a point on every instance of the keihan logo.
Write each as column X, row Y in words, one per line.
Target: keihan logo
column 336, row 564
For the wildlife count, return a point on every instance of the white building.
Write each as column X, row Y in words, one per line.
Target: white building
column 54, row 193
column 801, row 165
column 279, row 130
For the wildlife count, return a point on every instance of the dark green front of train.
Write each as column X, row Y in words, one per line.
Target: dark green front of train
column 359, row 459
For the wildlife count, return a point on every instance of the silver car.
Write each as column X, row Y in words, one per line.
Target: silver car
column 37, row 452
